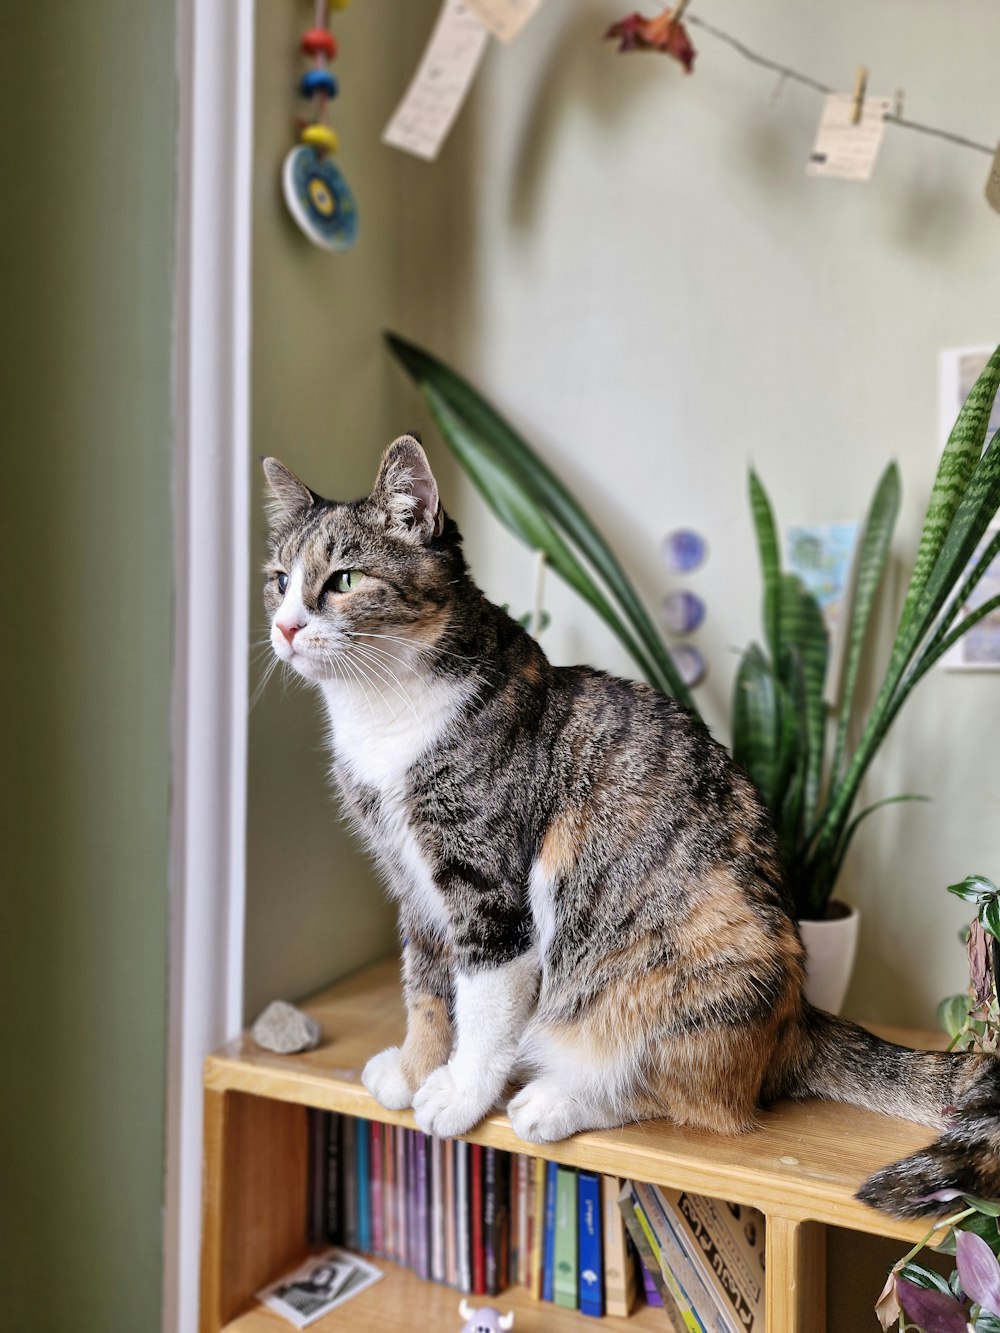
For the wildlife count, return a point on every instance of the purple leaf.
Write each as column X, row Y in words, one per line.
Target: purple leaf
column 938, row 1196
column 932, row 1310
column 978, row 1270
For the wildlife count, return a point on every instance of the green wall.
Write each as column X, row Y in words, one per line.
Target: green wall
column 87, row 121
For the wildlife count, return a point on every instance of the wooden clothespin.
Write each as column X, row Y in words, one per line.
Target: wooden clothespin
column 858, row 104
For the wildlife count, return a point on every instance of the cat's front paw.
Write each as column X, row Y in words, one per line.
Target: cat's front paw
column 384, row 1078
column 443, row 1108
column 542, row 1113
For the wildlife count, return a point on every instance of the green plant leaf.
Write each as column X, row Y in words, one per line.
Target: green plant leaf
column 486, row 428
column 852, row 827
column 975, row 574
column 941, row 646
column 516, row 509
column 989, row 917
column 763, row 727
column 801, row 626
column 952, row 1014
column 873, row 550
column 989, row 1207
column 974, row 889
column 769, row 551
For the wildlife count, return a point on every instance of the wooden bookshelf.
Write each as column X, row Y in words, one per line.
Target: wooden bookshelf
column 801, row 1168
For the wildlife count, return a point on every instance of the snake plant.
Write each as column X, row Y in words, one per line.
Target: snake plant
column 808, row 764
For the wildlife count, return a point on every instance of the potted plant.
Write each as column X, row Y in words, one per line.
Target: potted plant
column 916, row 1296
column 808, row 766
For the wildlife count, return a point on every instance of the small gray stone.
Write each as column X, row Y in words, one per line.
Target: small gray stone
column 285, row 1029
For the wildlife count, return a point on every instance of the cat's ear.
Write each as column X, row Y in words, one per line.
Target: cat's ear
column 406, row 492
column 290, row 498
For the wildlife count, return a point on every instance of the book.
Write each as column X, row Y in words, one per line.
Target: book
column 683, row 1278
column 652, row 1277
column 389, row 1194
column 621, row 1278
column 318, row 1133
column 362, row 1145
column 349, row 1158
column 491, row 1223
column 450, row 1218
column 565, row 1283
column 537, row 1226
column 725, row 1243
column 377, row 1188
column 333, row 1185
column 549, row 1233
column 476, row 1219
column 591, row 1271
column 437, row 1155
column 412, row 1225
column 422, row 1185
column 520, row 1250
column 463, row 1198
column 675, row 1298
column 402, row 1254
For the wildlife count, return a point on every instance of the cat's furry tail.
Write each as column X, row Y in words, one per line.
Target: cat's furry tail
column 956, row 1091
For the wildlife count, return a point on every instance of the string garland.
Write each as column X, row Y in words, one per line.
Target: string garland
column 808, row 81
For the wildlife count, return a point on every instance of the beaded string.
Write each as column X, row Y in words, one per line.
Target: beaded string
column 319, row 84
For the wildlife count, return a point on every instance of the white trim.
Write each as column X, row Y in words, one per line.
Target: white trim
column 211, row 571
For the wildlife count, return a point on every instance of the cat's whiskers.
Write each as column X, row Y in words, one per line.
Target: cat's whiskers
column 268, row 672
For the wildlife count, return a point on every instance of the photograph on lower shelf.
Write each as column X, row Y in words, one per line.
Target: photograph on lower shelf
column 318, row 1286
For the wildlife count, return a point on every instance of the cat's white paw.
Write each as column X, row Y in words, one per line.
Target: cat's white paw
column 383, row 1077
column 443, row 1108
column 541, row 1113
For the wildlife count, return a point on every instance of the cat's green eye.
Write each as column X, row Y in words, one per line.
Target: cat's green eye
column 346, row 579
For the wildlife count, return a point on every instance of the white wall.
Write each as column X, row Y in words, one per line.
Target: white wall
column 635, row 266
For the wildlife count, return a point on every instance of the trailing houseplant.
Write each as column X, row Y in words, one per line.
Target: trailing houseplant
column 916, row 1296
column 810, row 779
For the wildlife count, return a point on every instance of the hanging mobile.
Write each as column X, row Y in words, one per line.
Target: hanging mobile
column 317, row 195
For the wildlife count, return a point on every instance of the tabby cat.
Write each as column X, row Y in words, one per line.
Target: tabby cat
column 589, row 889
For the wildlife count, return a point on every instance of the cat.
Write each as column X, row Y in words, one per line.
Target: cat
column 590, row 893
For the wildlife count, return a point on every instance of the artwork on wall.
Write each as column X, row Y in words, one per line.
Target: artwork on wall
column 979, row 648
column 822, row 555
column 958, row 370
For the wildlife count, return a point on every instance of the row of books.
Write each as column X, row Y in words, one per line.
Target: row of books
column 705, row 1258
column 475, row 1218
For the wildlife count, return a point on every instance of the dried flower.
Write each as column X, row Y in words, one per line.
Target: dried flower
column 663, row 33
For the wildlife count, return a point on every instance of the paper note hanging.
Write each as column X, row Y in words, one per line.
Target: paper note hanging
column 505, row 18
column 842, row 148
column 993, row 184
column 421, row 122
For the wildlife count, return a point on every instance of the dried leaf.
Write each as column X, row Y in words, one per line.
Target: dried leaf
column 634, row 32
column 887, row 1305
column 977, row 949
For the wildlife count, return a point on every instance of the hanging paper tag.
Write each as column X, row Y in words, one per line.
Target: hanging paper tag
column 993, row 184
column 434, row 98
column 505, row 18
column 842, row 148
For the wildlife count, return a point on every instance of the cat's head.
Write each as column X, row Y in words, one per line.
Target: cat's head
column 383, row 569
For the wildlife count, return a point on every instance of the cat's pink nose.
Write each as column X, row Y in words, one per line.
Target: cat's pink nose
column 289, row 631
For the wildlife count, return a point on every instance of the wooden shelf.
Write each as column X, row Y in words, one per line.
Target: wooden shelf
column 801, row 1167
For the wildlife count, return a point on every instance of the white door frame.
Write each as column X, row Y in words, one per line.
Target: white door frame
column 211, row 571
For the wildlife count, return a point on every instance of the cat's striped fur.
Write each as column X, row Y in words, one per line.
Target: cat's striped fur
column 589, row 888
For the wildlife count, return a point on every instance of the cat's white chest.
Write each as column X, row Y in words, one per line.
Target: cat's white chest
column 378, row 735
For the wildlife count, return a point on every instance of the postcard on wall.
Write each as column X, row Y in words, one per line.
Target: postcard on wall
column 979, row 648
column 822, row 555
column 318, row 1286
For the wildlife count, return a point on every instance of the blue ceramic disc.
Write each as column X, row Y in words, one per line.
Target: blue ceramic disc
column 319, row 199
column 683, row 612
column 683, row 550
column 690, row 664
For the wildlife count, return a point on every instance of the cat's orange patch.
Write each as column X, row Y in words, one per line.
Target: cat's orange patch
column 428, row 1038
column 561, row 845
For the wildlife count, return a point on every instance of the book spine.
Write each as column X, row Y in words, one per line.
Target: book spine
column 317, row 1131
column 362, row 1148
column 334, row 1233
column 520, row 1258
column 422, row 1211
column 649, row 1261
column 449, row 1205
column 670, row 1289
column 591, row 1275
column 564, row 1287
column 463, row 1212
column 491, row 1235
column 401, row 1248
column 537, row 1226
column 350, row 1161
column 377, row 1185
column 389, row 1193
column 714, row 1243
column 504, row 1164
column 549, row 1233
column 476, row 1211
column 700, row 1297
column 437, row 1149
column 620, row 1288
column 412, row 1223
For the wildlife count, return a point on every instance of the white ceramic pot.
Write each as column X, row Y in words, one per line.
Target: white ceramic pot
column 830, row 949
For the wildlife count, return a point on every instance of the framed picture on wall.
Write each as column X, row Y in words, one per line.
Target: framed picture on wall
column 958, row 370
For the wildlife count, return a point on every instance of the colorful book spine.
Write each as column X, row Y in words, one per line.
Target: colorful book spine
column 520, row 1256
column 423, row 1189
column 565, row 1284
column 476, row 1217
column 463, row 1214
column 402, row 1255
column 439, row 1271
column 334, row 1232
column 621, row 1280
column 591, row 1275
column 362, row 1151
column 549, row 1233
column 389, row 1194
column 650, row 1266
column 349, row 1154
column 537, row 1229
column 377, row 1188
column 317, row 1129
column 491, row 1228
column 670, row 1290
column 450, row 1215
column 673, row 1257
